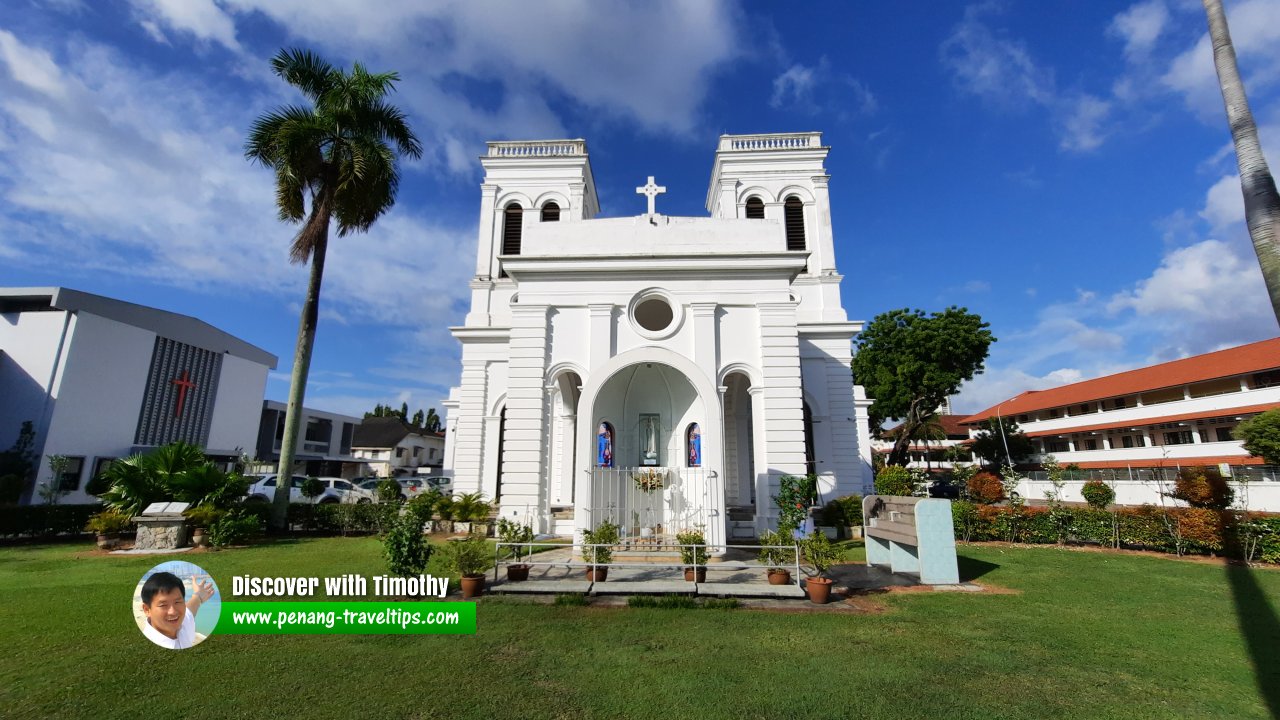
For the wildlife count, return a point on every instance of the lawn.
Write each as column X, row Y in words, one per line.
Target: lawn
column 1077, row 635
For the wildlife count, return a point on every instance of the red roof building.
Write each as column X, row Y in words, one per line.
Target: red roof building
column 1176, row 413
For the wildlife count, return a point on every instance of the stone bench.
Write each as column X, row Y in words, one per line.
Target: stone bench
column 911, row 535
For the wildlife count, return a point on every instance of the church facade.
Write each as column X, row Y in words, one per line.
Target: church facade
column 659, row 372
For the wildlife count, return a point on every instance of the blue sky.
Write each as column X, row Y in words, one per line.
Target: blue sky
column 1062, row 168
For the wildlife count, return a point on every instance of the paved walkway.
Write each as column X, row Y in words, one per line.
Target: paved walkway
column 736, row 574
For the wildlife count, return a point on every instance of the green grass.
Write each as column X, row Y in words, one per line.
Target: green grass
column 1081, row 635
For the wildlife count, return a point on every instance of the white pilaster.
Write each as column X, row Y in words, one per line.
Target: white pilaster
column 524, row 451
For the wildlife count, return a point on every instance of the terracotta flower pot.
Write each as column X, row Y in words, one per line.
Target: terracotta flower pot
column 701, row 574
column 778, row 576
column 105, row 542
column 200, row 538
column 819, row 589
column 472, row 586
column 597, row 574
column 517, row 573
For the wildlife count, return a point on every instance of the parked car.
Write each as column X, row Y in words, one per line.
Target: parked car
column 346, row 491
column 944, row 488
column 440, row 482
column 264, row 490
column 370, row 485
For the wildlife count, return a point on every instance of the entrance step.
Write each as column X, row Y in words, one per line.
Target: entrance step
column 724, row 589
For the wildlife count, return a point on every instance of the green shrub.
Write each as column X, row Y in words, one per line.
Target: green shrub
column 511, row 533
column 234, row 528
column 423, row 506
column 1202, row 487
column 820, row 553
column 174, row 472
column 108, row 522
column 203, row 516
column 895, row 480
column 965, row 516
column 571, row 599
column 606, row 535
column 696, row 555
column 665, row 602
column 389, row 491
column 778, row 557
column 37, row 520
column 10, row 489
column 471, row 507
column 843, row 512
column 312, row 488
column 721, row 604
column 405, row 547
column 340, row 517
column 985, row 488
column 795, row 496
column 1098, row 494
column 467, row 556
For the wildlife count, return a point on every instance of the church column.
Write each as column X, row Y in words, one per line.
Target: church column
column 568, row 435
column 524, row 440
column 841, row 414
column 728, row 198
column 862, row 420
column 485, row 258
column 577, row 191
column 823, row 259
column 766, row 510
column 468, row 433
column 704, row 336
column 784, row 411
column 600, row 335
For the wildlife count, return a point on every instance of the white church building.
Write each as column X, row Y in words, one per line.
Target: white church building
column 659, row 372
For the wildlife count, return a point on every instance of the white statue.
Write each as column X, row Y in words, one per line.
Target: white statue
column 650, row 438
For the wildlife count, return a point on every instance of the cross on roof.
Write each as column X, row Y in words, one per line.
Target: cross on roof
column 651, row 191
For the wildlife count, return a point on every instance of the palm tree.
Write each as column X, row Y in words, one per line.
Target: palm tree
column 335, row 156
column 1261, row 201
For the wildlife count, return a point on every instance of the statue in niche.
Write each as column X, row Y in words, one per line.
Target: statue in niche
column 695, row 446
column 649, row 426
column 604, row 446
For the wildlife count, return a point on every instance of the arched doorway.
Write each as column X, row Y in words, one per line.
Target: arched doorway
column 650, row 397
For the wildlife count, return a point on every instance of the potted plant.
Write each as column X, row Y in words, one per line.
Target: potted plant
column 444, row 509
column 202, row 517
column 511, row 534
column 780, row 557
column 468, row 557
column 693, row 552
column 598, row 549
column 467, row 509
column 108, row 525
column 821, row 554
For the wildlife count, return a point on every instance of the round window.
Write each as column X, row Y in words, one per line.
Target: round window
column 654, row 314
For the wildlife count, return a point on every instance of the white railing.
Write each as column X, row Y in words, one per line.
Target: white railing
column 781, row 141
column 685, row 500
column 537, row 148
column 524, row 554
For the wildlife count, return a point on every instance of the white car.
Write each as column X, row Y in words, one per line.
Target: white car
column 265, row 490
column 346, row 491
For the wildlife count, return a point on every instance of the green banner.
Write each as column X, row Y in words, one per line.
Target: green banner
column 347, row 618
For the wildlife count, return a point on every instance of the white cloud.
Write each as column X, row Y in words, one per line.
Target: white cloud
column 200, row 18
column 1255, row 33
column 1002, row 72
column 32, row 67
column 1224, row 203
column 816, row 88
column 1140, row 27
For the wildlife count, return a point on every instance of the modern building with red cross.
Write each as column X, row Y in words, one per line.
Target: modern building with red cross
column 100, row 379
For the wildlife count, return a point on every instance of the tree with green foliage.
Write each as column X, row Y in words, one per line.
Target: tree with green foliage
column 1000, row 441
column 910, row 362
column 432, row 423
column 1261, row 435
column 16, row 464
column 335, row 156
column 419, row 418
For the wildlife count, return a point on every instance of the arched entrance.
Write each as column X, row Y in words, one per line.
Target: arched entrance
column 633, row 443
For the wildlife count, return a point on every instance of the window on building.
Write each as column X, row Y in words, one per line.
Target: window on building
column 1127, row 441
column 69, row 480
column 1178, row 437
column 1055, row 413
column 1224, row 434
column 1119, row 403
column 1057, row 446
column 431, row 454
column 399, row 452
column 793, row 213
column 755, row 208
column 1088, row 444
column 1085, row 409
column 100, row 466
column 1270, row 378
column 551, row 212
column 417, row 452
column 512, row 221
column 1024, row 418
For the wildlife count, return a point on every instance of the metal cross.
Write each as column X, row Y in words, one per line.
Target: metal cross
column 184, row 385
column 652, row 192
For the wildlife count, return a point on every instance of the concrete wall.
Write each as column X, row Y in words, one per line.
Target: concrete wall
column 237, row 411
column 1262, row 496
column 28, row 354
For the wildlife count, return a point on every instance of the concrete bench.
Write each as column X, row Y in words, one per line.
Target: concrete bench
column 911, row 535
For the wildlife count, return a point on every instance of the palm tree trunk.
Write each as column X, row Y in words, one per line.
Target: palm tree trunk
column 1261, row 201
column 301, row 366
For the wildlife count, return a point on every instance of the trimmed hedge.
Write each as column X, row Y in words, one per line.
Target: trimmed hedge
column 1201, row 530
column 344, row 517
column 37, row 520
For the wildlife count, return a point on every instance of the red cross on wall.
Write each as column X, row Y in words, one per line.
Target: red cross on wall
column 184, row 384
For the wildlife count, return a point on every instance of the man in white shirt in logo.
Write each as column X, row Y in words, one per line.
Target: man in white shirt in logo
column 171, row 618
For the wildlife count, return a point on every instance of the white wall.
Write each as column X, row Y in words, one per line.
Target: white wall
column 99, row 394
column 29, row 343
column 1262, row 496
column 237, row 411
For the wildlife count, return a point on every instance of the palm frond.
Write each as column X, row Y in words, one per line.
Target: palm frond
column 306, row 71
